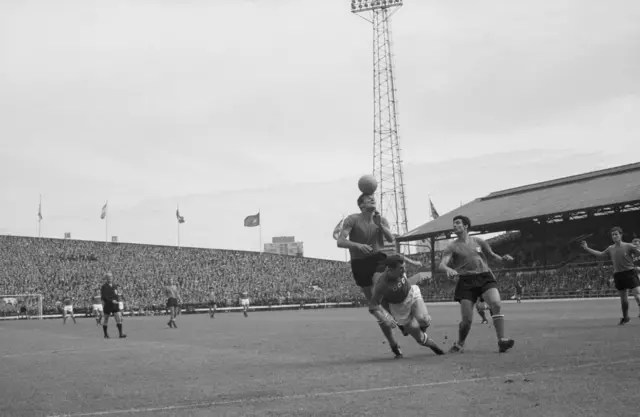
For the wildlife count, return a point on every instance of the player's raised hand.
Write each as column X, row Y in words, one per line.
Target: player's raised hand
column 507, row 258
column 377, row 218
column 452, row 273
column 584, row 245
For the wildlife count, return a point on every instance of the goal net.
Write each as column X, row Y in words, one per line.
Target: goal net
column 21, row 306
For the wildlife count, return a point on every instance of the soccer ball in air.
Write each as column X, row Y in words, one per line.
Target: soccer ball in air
column 367, row 184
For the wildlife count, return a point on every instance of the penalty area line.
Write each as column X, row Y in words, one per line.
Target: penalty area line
column 208, row 404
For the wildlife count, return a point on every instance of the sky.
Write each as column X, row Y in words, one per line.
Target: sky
column 232, row 106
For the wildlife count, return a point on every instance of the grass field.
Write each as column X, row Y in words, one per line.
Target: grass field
column 570, row 359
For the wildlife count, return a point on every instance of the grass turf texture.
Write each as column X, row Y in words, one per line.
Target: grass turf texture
column 570, row 359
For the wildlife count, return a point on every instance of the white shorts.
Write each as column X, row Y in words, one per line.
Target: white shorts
column 402, row 312
column 98, row 308
column 244, row 302
column 121, row 306
column 68, row 309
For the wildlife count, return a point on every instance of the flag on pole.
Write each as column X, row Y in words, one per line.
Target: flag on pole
column 179, row 217
column 252, row 221
column 104, row 211
column 40, row 211
column 434, row 212
column 338, row 229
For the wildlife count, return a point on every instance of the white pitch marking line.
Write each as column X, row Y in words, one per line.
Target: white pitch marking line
column 208, row 404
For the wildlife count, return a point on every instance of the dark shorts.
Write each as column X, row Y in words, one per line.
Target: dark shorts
column 172, row 302
column 110, row 308
column 471, row 287
column 364, row 269
column 626, row 280
column 212, row 303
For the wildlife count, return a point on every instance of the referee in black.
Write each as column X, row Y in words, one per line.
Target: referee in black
column 111, row 306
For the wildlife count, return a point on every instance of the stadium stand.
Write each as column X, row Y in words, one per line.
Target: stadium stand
column 55, row 267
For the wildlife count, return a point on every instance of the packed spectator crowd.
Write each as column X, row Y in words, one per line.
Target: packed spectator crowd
column 57, row 268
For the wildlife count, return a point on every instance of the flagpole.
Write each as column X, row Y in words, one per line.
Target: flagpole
column 40, row 216
column 260, row 227
column 178, row 221
column 106, row 224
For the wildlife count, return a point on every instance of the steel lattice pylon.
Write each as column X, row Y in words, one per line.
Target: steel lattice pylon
column 387, row 161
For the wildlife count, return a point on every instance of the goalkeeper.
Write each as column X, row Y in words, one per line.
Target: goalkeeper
column 405, row 302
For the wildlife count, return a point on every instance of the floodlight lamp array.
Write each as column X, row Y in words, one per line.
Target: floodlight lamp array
column 365, row 5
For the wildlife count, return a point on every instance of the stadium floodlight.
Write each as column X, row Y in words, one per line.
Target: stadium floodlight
column 387, row 160
column 358, row 6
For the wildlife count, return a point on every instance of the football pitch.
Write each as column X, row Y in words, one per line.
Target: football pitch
column 570, row 359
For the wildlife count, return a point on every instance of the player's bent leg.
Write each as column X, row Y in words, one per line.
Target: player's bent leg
column 624, row 305
column 414, row 328
column 421, row 314
column 492, row 297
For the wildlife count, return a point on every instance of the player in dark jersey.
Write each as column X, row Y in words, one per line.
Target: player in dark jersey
column 519, row 291
column 468, row 257
column 364, row 234
column 212, row 304
column 405, row 302
column 625, row 275
column 173, row 302
column 111, row 306
column 67, row 308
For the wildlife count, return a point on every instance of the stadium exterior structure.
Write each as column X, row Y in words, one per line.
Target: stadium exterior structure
column 543, row 207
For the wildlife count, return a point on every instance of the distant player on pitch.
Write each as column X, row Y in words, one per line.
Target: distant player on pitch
column 173, row 302
column 625, row 275
column 212, row 304
column 244, row 303
column 67, row 308
column 468, row 257
column 405, row 302
column 96, row 302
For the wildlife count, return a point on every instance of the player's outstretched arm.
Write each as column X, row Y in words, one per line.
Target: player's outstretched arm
column 593, row 251
column 375, row 307
column 486, row 248
column 411, row 261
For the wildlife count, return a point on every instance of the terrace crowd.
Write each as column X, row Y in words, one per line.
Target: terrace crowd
column 56, row 267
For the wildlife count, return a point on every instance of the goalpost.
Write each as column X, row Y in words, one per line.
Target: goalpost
column 16, row 306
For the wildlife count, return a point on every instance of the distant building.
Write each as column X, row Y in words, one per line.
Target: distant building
column 285, row 245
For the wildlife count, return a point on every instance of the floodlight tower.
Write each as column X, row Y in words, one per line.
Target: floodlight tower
column 387, row 161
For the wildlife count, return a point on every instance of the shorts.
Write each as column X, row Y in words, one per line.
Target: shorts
column 121, row 306
column 471, row 287
column 244, row 302
column 364, row 269
column 626, row 280
column 172, row 302
column 97, row 308
column 68, row 309
column 110, row 308
column 403, row 312
column 212, row 304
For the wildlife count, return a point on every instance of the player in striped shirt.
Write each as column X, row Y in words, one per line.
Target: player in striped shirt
column 405, row 302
